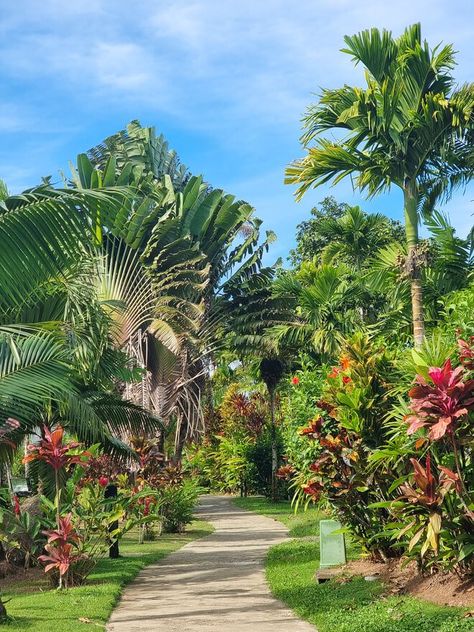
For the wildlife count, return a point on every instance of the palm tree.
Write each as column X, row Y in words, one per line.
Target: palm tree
column 195, row 244
column 354, row 237
column 449, row 266
column 408, row 128
column 322, row 302
column 57, row 361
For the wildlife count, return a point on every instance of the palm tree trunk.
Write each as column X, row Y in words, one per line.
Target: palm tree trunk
column 411, row 229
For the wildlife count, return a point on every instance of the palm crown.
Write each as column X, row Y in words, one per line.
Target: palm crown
column 407, row 127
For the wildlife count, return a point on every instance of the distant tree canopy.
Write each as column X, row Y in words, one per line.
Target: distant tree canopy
column 315, row 234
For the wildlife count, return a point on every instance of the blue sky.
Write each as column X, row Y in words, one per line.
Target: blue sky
column 226, row 81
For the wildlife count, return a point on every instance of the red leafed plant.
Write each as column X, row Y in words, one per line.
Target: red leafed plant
column 53, row 451
column 58, row 455
column 61, row 551
column 429, row 491
column 60, row 557
column 313, row 429
column 314, row 490
column 441, row 404
column 466, row 352
column 64, row 531
column 285, row 472
column 427, row 495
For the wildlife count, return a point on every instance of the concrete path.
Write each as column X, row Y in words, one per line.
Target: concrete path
column 216, row 584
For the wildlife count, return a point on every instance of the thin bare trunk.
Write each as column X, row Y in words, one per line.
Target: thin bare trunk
column 417, row 310
column 411, row 230
column 274, row 446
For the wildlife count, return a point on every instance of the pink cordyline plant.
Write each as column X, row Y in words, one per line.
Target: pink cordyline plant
column 64, row 531
column 60, row 557
column 441, row 404
column 429, row 491
column 58, row 455
column 53, row 451
column 60, row 549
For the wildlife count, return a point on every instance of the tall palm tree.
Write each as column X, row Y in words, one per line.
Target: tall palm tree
column 195, row 244
column 408, row 128
column 449, row 267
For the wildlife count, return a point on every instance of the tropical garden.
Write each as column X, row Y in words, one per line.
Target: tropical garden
column 149, row 354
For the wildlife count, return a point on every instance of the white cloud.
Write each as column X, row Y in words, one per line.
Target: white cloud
column 236, row 74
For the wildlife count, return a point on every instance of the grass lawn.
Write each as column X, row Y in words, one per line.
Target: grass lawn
column 34, row 607
column 355, row 606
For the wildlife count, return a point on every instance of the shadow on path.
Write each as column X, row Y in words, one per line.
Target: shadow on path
column 213, row 584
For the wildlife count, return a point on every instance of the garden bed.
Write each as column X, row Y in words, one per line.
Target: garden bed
column 35, row 606
column 445, row 589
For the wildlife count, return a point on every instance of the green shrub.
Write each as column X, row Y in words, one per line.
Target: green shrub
column 177, row 505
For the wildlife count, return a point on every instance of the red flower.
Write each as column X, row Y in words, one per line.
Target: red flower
column 440, row 406
column 103, row 481
column 53, row 451
column 295, row 380
column 16, row 505
column 335, row 372
column 346, row 379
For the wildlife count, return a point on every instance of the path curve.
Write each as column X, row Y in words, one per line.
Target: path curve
column 215, row 584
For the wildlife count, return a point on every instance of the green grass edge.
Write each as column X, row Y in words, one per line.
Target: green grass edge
column 35, row 607
column 355, row 606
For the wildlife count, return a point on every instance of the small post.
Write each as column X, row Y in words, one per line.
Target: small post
column 332, row 547
column 114, row 553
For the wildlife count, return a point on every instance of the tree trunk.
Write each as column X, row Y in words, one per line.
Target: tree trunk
column 181, row 440
column 410, row 195
column 274, row 445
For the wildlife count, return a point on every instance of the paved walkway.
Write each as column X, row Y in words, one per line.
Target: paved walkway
column 216, row 584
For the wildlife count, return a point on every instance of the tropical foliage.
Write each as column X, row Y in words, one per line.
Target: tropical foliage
column 147, row 353
column 409, row 128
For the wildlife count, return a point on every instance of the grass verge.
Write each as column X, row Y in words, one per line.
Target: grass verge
column 34, row 607
column 354, row 606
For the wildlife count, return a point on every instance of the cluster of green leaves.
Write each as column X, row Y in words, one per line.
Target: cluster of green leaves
column 130, row 271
